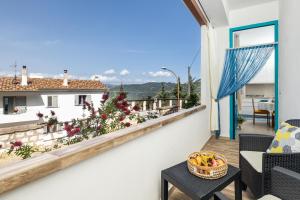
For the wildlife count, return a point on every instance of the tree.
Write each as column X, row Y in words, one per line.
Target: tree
column 182, row 94
column 193, row 99
column 163, row 94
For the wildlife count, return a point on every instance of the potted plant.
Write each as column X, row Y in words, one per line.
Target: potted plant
column 240, row 120
column 52, row 122
column 40, row 116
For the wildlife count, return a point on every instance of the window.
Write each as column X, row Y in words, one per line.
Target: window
column 80, row 99
column 14, row 104
column 53, row 101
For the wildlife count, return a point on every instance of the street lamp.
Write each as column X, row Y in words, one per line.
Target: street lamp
column 177, row 78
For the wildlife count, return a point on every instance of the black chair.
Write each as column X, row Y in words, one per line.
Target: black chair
column 256, row 164
column 284, row 185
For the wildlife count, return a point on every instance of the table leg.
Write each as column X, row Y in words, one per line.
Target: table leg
column 164, row 189
column 238, row 189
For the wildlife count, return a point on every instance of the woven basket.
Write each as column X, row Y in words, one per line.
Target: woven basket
column 208, row 172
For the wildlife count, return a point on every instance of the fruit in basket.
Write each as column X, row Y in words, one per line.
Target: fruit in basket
column 207, row 160
column 194, row 161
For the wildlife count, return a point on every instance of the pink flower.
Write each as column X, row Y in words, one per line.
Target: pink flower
column 104, row 116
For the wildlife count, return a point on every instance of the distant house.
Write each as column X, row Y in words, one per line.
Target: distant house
column 21, row 98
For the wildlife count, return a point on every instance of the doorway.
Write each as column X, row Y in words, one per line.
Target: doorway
column 262, row 92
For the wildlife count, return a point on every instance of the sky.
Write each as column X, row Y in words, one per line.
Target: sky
column 115, row 41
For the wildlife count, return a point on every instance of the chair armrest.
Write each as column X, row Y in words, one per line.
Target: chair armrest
column 285, row 183
column 254, row 142
column 289, row 161
column 220, row 196
column 294, row 122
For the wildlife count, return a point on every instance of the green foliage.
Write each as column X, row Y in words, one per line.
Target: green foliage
column 182, row 93
column 163, row 94
column 192, row 101
column 25, row 151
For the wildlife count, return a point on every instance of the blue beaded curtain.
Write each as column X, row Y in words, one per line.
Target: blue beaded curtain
column 240, row 66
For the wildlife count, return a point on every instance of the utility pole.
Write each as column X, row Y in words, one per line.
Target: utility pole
column 189, row 81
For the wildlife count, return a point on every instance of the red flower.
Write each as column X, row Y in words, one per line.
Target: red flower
column 121, row 118
column 104, row 97
column 125, row 103
column 40, row 115
column 16, row 144
column 104, row 116
column 119, row 105
column 99, row 127
column 52, row 112
column 121, row 96
column 127, row 124
column 136, row 108
column 127, row 112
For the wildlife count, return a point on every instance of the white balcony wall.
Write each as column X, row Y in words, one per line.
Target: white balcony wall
column 128, row 172
column 289, row 60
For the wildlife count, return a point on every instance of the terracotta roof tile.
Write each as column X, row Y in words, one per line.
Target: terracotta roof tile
column 39, row 84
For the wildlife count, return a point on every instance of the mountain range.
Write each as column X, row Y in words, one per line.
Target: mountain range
column 150, row 89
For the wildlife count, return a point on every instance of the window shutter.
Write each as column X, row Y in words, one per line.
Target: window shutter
column 89, row 98
column 54, row 101
column 76, row 100
column 49, row 101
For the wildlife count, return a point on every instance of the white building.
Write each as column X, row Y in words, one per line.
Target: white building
column 22, row 98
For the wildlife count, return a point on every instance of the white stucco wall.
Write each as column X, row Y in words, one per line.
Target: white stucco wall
column 37, row 102
column 240, row 17
column 289, row 60
column 128, row 172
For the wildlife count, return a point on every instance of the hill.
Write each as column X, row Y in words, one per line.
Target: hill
column 151, row 89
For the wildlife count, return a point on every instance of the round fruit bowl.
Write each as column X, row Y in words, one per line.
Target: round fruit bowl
column 207, row 164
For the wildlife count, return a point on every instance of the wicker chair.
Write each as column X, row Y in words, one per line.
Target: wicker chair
column 259, row 181
column 284, row 185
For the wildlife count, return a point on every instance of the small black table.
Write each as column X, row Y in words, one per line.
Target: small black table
column 195, row 187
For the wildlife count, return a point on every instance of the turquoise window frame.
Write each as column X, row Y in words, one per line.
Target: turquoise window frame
column 274, row 23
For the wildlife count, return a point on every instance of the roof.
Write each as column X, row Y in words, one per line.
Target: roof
column 8, row 84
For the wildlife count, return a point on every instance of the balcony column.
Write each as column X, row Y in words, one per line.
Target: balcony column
column 180, row 104
column 144, row 105
column 159, row 103
column 132, row 104
column 171, row 103
column 154, row 105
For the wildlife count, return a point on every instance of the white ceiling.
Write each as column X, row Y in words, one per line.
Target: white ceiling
column 215, row 11
column 237, row 4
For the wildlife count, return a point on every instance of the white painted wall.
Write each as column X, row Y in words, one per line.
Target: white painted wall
column 128, row 172
column 240, row 17
column 37, row 102
column 289, row 60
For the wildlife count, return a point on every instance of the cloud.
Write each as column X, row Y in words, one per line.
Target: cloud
column 124, row 72
column 110, row 71
column 38, row 75
column 103, row 78
column 159, row 74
